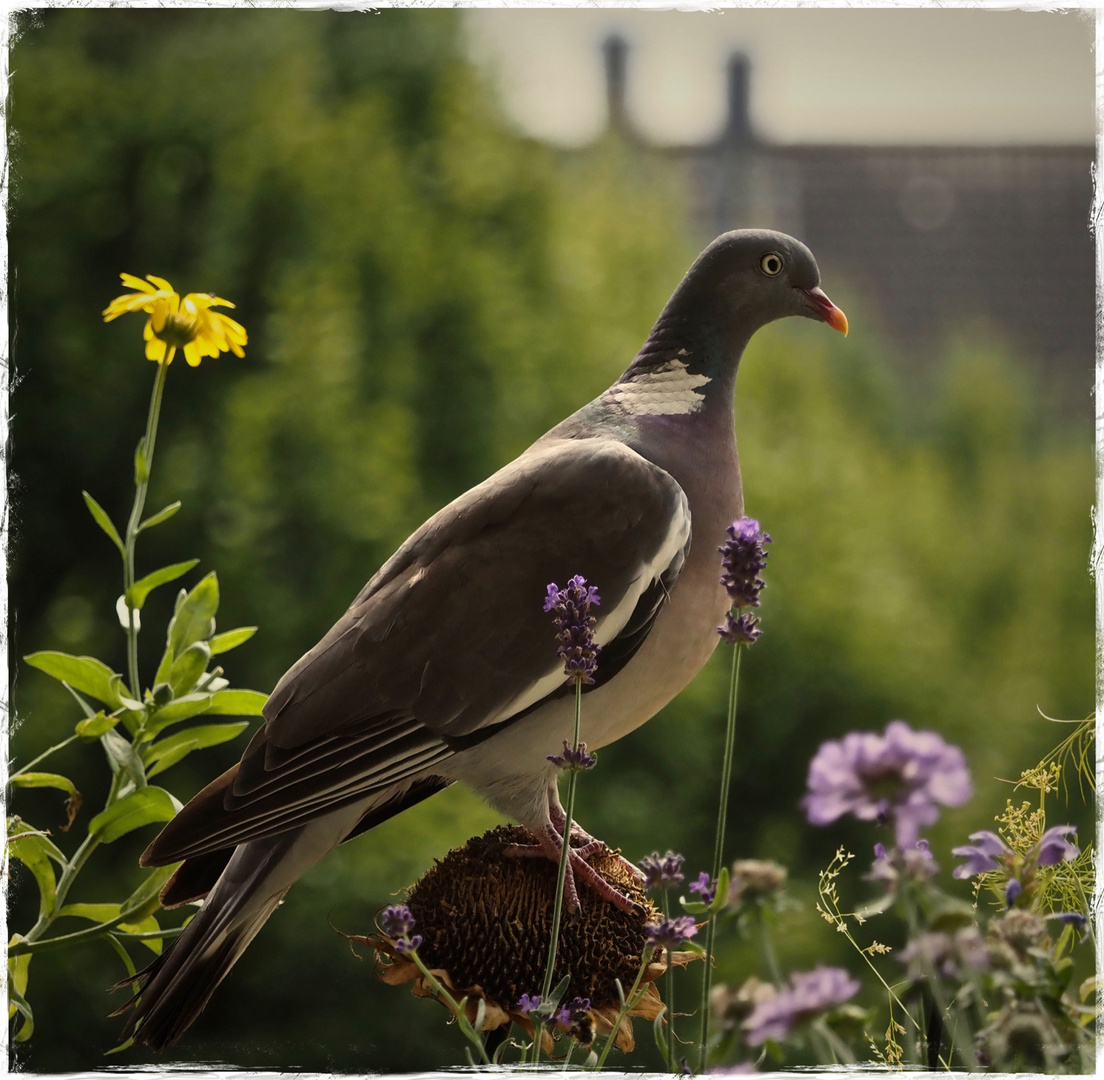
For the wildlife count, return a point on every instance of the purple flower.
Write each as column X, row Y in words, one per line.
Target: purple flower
column 1012, row 892
column 1053, row 847
column 661, row 870
column 575, row 625
column 806, row 994
column 743, row 558
column 897, row 778
column 575, row 760
column 740, row 629
column 398, row 921
column 566, row 1015
column 705, row 888
column 915, row 864
column 528, row 1003
column 1074, row 919
column 981, row 856
column 671, row 933
column 945, row 956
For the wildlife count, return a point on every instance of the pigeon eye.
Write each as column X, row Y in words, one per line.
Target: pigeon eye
column 771, row 264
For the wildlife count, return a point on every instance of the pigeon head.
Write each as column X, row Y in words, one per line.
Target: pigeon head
column 751, row 277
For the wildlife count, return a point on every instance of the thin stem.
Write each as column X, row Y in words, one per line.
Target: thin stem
column 669, row 985
column 141, row 486
column 770, row 960
column 41, row 757
column 474, row 1037
column 718, row 849
column 561, row 875
column 627, row 1006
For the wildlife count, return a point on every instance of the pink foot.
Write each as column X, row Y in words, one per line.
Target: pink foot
column 550, row 846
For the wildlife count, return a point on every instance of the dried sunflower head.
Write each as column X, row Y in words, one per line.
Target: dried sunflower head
column 485, row 918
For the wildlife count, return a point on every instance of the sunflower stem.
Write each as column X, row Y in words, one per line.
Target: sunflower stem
column 143, row 465
column 718, row 852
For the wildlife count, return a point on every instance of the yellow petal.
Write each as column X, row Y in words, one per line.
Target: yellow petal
column 138, row 283
column 217, row 301
column 192, row 354
column 161, row 283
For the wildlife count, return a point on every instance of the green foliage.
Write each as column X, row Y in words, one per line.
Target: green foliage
column 426, row 292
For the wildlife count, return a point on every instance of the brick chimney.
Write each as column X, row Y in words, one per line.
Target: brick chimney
column 738, row 123
column 616, row 51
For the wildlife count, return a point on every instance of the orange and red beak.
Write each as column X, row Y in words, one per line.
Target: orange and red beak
column 825, row 310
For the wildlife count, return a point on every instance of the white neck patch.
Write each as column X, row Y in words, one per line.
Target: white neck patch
column 668, row 390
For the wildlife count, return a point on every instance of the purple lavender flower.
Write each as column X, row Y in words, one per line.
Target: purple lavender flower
column 743, row 559
column 398, row 921
column 671, row 933
column 528, row 1003
column 915, row 864
column 1053, row 847
column 567, row 1013
column 897, row 778
column 981, row 856
column 704, row 887
column 575, row 625
column 1074, row 919
column 807, row 994
column 740, row 629
column 662, row 870
column 1012, row 892
column 575, row 760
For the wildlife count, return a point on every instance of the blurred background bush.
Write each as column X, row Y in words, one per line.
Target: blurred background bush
column 426, row 291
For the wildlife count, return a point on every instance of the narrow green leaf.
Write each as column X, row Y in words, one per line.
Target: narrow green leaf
column 188, row 667
column 99, row 514
column 661, row 1035
column 141, row 462
column 195, row 620
column 18, row 975
column 30, row 851
column 91, row 729
column 137, row 593
column 84, row 673
column 52, row 780
column 84, row 706
column 160, row 516
column 183, row 708
column 144, row 926
column 97, row 913
column 144, row 900
column 166, row 752
column 221, row 643
column 238, row 703
column 121, row 756
column 164, row 669
column 19, row 828
column 142, row 807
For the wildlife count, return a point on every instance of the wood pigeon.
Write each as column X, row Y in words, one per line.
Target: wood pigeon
column 444, row 667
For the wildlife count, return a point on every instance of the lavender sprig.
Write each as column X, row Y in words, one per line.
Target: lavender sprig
column 575, row 625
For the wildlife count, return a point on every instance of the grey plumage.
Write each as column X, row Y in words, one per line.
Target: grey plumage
column 444, row 667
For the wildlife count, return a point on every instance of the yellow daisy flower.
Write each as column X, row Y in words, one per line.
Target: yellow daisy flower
column 177, row 322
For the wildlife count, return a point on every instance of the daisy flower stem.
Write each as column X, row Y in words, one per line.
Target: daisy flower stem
column 718, row 851
column 143, row 462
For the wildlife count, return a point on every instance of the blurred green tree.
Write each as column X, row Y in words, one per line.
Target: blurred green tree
column 426, row 292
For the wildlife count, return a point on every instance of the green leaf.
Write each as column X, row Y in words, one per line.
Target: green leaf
column 144, row 900
column 18, row 827
column 91, row 729
column 53, row 780
column 137, row 593
column 144, row 926
column 97, row 913
column 166, row 752
column 195, row 619
column 30, row 850
column 183, row 708
column 84, row 673
column 99, row 514
column 141, row 462
column 121, row 756
column 142, row 807
column 221, row 643
column 188, row 667
column 238, row 703
column 660, row 1035
column 18, row 974
column 160, row 516
column 164, row 669
column 85, row 708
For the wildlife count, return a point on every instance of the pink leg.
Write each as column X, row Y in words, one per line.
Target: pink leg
column 578, row 869
column 585, row 844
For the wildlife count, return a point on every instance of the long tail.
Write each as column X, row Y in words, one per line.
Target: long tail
column 179, row 983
